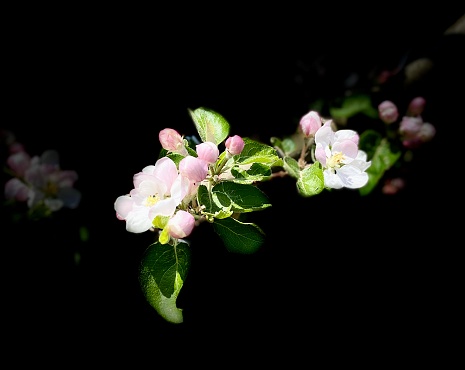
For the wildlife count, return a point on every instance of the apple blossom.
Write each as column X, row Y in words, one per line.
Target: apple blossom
column 40, row 181
column 343, row 163
column 158, row 190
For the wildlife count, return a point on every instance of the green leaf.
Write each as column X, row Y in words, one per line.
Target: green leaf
column 311, row 180
column 162, row 273
column 239, row 198
column 383, row 159
column 292, row 167
column 352, row 105
column 210, row 125
column 239, row 237
column 257, row 172
column 255, row 152
column 228, row 197
column 211, row 208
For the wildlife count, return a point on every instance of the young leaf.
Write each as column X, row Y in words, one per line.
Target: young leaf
column 210, row 125
column 311, row 180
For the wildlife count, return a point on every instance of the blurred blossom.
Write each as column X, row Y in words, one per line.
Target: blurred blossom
column 388, row 112
column 40, row 182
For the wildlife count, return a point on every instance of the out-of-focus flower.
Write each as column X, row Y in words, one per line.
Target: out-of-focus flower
column 414, row 131
column 40, row 182
column 416, row 106
column 388, row 112
column 393, row 186
column 158, row 190
column 344, row 165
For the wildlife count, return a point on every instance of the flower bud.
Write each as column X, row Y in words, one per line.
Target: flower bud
column 195, row 169
column 207, row 151
column 234, row 144
column 310, row 123
column 388, row 112
column 172, row 141
column 410, row 126
column 416, row 106
column 181, row 224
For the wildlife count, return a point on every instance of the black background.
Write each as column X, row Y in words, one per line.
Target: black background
column 98, row 86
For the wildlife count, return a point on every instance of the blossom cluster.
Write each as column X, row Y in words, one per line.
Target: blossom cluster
column 38, row 181
column 164, row 194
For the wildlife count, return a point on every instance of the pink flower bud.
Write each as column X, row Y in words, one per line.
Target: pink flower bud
column 388, row 112
column 19, row 162
column 208, row 152
column 427, row 132
column 410, row 126
column 172, row 141
column 416, row 106
column 195, row 169
column 310, row 123
column 181, row 224
column 234, row 144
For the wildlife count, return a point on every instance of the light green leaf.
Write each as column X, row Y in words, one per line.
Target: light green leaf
column 162, row 273
column 255, row 152
column 239, row 237
column 210, row 125
column 352, row 105
column 292, row 167
column 311, row 180
column 249, row 174
column 383, row 158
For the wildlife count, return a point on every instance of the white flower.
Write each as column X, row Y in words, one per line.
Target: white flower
column 158, row 190
column 344, row 165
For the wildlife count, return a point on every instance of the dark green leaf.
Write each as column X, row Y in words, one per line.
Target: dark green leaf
column 239, row 237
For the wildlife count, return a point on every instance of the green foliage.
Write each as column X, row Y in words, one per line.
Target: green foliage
column 382, row 155
column 210, row 125
column 162, row 273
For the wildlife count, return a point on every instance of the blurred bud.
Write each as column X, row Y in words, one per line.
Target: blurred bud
column 416, row 106
column 171, row 140
column 207, row 151
column 388, row 112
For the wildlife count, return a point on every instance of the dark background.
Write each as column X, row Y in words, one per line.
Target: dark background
column 99, row 86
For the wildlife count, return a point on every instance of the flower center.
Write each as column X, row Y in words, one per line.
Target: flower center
column 336, row 160
column 151, row 200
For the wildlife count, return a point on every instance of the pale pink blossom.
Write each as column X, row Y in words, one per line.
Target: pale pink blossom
column 234, row 144
column 172, row 141
column 158, row 190
column 310, row 123
column 45, row 182
column 344, row 165
column 181, row 224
